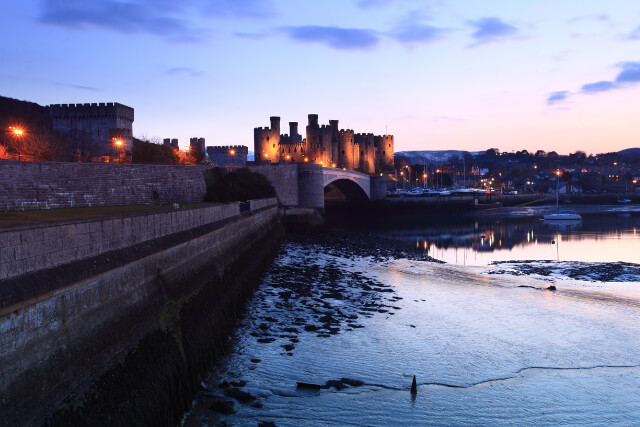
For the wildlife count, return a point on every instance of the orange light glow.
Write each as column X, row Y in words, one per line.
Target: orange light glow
column 306, row 159
column 266, row 156
column 558, row 173
column 333, row 165
column 232, row 152
column 118, row 142
column 288, row 157
column 18, row 132
column 187, row 148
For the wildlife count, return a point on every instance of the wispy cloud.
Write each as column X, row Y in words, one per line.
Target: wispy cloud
column 188, row 71
column 590, row 18
column 164, row 18
column 334, row 37
column 411, row 30
column 635, row 34
column 558, row 96
column 627, row 77
column 491, row 29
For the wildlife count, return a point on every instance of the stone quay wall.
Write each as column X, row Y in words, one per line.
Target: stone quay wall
column 28, row 248
column 46, row 185
column 58, row 336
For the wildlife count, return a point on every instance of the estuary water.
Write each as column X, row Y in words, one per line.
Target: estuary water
column 359, row 316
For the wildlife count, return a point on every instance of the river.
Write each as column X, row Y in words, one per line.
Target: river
column 360, row 314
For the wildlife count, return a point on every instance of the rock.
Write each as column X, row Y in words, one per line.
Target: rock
column 309, row 386
column 267, row 424
column 238, row 383
column 222, row 406
column 266, row 340
column 288, row 347
column 551, row 288
column 223, row 384
column 256, row 360
column 335, row 384
column 239, row 395
column 352, row 383
column 414, row 386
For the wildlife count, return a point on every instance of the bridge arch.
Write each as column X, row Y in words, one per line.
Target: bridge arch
column 354, row 186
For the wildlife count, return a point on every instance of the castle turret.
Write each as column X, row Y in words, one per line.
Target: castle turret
column 313, row 120
column 293, row 130
column 275, row 124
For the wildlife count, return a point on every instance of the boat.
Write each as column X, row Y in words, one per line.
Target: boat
column 561, row 216
column 624, row 201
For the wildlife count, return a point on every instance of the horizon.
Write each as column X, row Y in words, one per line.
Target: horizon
column 533, row 76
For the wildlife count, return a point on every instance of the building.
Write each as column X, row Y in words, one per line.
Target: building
column 95, row 130
column 327, row 145
column 234, row 155
column 171, row 142
column 197, row 147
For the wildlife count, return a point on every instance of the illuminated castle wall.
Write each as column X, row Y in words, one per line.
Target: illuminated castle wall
column 324, row 144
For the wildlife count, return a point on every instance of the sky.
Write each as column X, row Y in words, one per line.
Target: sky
column 461, row 74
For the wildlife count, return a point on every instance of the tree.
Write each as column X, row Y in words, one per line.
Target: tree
column 36, row 145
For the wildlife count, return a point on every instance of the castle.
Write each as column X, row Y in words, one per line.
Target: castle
column 326, row 145
column 96, row 129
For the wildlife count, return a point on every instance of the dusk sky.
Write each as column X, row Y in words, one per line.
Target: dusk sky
column 512, row 74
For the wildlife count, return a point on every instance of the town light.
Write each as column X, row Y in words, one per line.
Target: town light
column 266, row 156
column 333, row 165
column 558, row 172
column 288, row 157
column 18, row 132
column 232, row 152
column 306, row 159
column 187, row 148
column 118, row 142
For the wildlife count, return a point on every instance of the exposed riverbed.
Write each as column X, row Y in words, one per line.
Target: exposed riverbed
column 359, row 316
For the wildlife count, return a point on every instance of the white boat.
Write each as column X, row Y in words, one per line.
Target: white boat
column 624, row 201
column 560, row 216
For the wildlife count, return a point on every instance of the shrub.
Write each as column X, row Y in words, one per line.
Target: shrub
column 148, row 152
column 238, row 185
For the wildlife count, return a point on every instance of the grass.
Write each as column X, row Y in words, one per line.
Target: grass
column 64, row 214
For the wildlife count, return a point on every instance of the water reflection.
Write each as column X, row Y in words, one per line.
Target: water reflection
column 601, row 237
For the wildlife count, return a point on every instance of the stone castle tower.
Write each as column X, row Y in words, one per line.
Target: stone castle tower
column 95, row 127
column 327, row 145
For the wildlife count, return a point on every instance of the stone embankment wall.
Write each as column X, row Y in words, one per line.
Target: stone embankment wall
column 69, row 317
column 28, row 248
column 45, row 185
column 284, row 179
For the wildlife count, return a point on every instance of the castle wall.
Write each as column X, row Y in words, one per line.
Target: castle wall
column 325, row 145
column 234, row 155
column 266, row 142
column 365, row 142
column 99, row 123
column 46, row 185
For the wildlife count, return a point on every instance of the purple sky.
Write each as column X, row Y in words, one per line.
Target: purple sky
column 526, row 74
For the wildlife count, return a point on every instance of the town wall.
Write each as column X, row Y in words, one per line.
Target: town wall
column 45, row 185
column 60, row 333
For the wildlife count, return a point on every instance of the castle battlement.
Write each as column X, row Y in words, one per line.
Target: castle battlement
column 324, row 144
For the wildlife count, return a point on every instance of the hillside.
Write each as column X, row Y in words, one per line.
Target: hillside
column 433, row 156
column 14, row 112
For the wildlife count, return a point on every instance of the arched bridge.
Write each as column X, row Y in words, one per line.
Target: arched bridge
column 306, row 185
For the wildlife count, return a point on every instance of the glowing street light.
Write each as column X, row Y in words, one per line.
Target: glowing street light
column 306, row 160
column 18, row 132
column 288, row 157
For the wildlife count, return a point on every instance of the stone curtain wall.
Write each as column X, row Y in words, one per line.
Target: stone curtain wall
column 24, row 249
column 284, row 179
column 45, row 185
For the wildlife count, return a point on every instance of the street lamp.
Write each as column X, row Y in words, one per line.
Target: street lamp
column 17, row 134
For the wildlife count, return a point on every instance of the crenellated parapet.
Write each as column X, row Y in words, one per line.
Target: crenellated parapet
column 326, row 145
column 96, row 129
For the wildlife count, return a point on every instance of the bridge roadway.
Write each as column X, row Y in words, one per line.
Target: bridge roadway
column 304, row 185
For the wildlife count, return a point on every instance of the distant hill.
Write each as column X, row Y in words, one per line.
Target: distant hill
column 30, row 115
column 630, row 152
column 435, row 157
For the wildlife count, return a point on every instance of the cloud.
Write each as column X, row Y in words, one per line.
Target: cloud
column 630, row 72
column 411, row 30
column 635, row 34
column 596, row 87
column 590, row 18
column 164, row 18
column 335, row 37
column 558, row 96
column 192, row 72
column 629, row 75
column 366, row 4
column 491, row 29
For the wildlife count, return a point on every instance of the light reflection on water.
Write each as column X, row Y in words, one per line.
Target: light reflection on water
column 599, row 237
column 484, row 349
